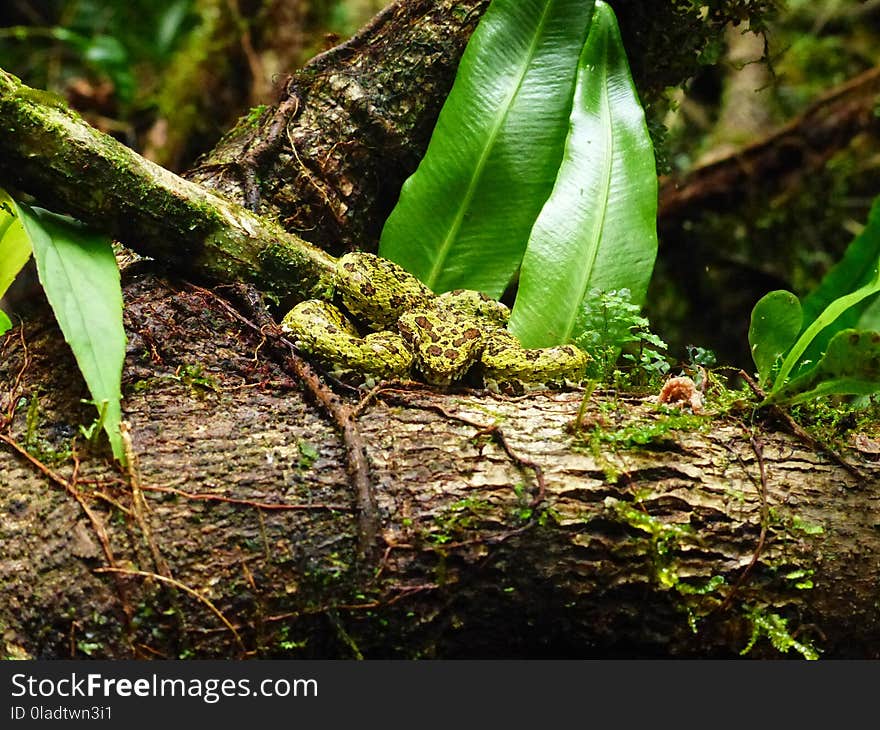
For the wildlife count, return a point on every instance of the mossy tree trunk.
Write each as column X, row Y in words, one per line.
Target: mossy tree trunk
column 242, row 506
column 505, row 528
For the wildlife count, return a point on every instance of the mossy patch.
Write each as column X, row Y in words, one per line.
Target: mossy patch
column 650, row 430
column 460, row 517
column 766, row 623
column 701, row 596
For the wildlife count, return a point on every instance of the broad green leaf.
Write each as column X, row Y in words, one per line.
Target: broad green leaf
column 598, row 229
column 464, row 216
column 853, row 271
column 870, row 316
column 15, row 247
column 5, row 322
column 776, row 323
column 851, row 365
column 79, row 274
column 828, row 316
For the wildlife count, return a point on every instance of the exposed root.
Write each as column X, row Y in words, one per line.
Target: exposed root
column 271, row 136
column 342, row 415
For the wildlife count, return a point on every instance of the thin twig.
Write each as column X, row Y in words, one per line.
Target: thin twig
column 111, row 501
column 268, row 506
column 186, row 589
column 403, row 592
column 151, row 651
column 13, row 390
column 139, row 506
column 758, row 449
column 796, row 430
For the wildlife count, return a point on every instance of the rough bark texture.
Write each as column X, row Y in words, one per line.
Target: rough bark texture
column 237, row 533
column 600, row 567
column 383, row 90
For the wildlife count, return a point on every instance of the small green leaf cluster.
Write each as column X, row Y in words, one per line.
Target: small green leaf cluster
column 100, row 40
column 614, row 325
column 651, row 430
column 830, row 343
column 835, row 423
column 700, row 594
column 78, row 272
column 540, row 171
column 775, row 628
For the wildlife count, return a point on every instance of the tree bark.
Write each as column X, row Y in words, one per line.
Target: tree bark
column 504, row 530
column 380, row 92
column 242, row 508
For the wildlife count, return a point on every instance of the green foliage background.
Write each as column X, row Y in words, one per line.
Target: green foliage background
column 786, row 234
column 185, row 61
column 151, row 58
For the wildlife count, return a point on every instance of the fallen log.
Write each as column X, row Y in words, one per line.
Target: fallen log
column 506, row 528
column 563, row 524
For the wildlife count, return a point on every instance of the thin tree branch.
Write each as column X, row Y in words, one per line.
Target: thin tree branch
column 44, row 149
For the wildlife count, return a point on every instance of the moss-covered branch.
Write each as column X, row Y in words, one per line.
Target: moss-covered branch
column 50, row 152
column 803, row 146
column 356, row 122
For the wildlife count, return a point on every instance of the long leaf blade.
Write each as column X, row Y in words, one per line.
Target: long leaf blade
column 598, row 229
column 850, row 365
column 5, row 322
column 464, row 216
column 827, row 318
column 15, row 247
column 853, row 271
column 80, row 276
